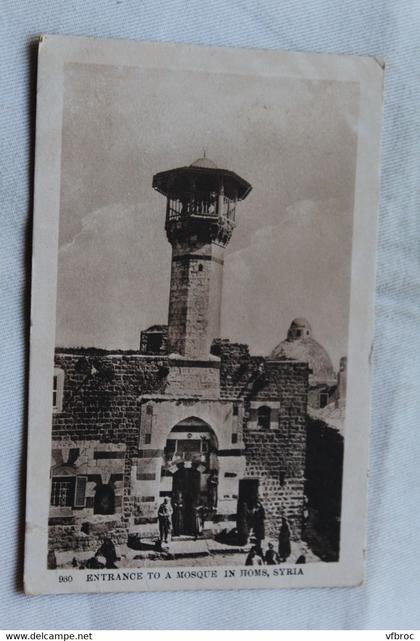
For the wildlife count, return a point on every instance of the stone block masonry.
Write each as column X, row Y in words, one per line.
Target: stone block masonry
column 195, row 297
column 101, row 404
column 105, row 433
column 274, row 456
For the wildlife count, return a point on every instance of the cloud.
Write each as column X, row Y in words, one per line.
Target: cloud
column 300, row 267
column 113, row 278
column 294, row 140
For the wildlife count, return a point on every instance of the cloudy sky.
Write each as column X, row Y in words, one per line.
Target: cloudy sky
column 293, row 140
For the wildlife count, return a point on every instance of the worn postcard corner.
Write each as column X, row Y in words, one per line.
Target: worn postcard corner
column 202, row 307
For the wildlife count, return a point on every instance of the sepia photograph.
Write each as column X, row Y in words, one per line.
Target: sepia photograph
column 205, row 226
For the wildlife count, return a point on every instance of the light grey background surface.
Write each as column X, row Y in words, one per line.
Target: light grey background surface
column 389, row 29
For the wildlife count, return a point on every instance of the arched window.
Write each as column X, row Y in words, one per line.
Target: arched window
column 104, row 501
column 263, row 417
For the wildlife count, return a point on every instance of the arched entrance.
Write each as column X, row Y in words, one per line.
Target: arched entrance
column 186, row 490
column 190, row 473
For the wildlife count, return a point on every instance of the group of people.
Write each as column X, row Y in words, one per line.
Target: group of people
column 184, row 514
column 252, row 521
column 256, row 555
column 172, row 519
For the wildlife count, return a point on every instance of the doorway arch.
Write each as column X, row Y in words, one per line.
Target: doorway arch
column 189, row 472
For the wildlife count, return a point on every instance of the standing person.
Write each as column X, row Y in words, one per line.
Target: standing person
column 197, row 521
column 107, row 550
column 259, row 522
column 253, row 558
column 178, row 515
column 165, row 516
column 242, row 523
column 212, row 483
column 258, row 550
column 284, row 540
column 305, row 510
column 271, row 556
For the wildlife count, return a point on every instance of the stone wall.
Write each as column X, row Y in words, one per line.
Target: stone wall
column 275, row 456
column 194, row 299
column 101, row 403
column 101, row 395
column 281, row 482
column 193, row 378
column 104, row 403
column 94, row 465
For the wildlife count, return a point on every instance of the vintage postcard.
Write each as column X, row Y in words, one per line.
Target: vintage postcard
column 202, row 317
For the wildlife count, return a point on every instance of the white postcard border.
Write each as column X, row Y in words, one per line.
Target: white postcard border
column 54, row 53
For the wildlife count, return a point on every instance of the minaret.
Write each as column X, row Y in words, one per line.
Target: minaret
column 200, row 218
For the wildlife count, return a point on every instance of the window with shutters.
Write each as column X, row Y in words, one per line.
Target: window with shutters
column 58, row 390
column 68, row 491
column 80, row 491
column 62, row 491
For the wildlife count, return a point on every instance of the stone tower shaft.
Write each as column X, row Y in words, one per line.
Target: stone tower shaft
column 200, row 218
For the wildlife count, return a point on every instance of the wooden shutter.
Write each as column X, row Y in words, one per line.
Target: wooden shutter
column 80, row 491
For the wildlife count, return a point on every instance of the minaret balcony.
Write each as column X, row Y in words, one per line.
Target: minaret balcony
column 201, row 209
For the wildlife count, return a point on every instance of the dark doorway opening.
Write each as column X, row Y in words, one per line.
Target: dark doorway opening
column 248, row 492
column 154, row 343
column 104, row 501
column 186, row 496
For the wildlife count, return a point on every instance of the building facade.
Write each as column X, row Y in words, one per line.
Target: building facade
column 189, row 416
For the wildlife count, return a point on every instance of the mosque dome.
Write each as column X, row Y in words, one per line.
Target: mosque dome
column 301, row 346
column 204, row 162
